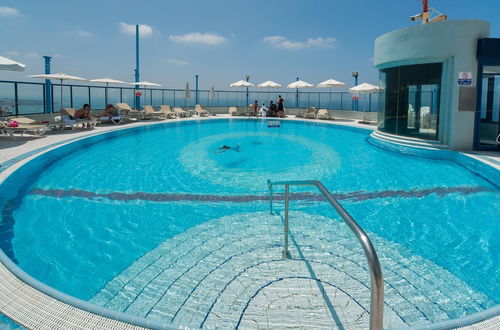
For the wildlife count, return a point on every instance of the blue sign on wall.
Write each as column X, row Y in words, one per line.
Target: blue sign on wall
column 464, row 79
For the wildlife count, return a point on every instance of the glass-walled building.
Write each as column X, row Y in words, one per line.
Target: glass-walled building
column 439, row 85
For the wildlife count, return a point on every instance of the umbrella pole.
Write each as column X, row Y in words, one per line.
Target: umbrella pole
column 106, row 96
column 330, row 99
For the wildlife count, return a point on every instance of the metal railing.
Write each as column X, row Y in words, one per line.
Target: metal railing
column 28, row 97
column 377, row 280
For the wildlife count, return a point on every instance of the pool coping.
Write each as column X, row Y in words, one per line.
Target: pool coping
column 76, row 309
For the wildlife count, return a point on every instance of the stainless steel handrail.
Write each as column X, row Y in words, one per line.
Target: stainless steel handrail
column 377, row 280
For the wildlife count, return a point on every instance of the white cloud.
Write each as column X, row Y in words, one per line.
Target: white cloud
column 12, row 53
column 199, row 38
column 82, row 33
column 175, row 61
column 9, row 12
column 144, row 30
column 282, row 42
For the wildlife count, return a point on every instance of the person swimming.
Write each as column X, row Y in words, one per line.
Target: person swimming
column 226, row 148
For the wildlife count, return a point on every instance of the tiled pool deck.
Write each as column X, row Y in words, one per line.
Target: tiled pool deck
column 254, row 298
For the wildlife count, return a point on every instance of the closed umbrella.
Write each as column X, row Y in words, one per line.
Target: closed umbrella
column 107, row 81
column 10, row 65
column 187, row 94
column 330, row 83
column 364, row 88
column 269, row 84
column 58, row 76
column 299, row 84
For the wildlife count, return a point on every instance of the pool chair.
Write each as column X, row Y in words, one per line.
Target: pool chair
column 167, row 112
column 233, row 111
column 200, row 111
column 53, row 121
column 323, row 114
column 100, row 119
column 68, row 118
column 150, row 113
column 310, row 113
column 180, row 112
column 35, row 129
column 125, row 110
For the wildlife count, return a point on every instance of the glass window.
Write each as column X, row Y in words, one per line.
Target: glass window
column 30, row 98
column 409, row 100
column 7, row 99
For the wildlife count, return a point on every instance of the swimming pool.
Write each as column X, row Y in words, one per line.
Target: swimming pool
column 119, row 220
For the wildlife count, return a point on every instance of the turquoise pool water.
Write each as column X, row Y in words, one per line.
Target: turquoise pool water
column 87, row 215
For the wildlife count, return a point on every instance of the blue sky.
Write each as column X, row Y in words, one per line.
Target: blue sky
column 221, row 40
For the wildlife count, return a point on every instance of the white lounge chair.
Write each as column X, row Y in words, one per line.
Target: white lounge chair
column 310, row 113
column 36, row 129
column 125, row 110
column 101, row 119
column 68, row 117
column 167, row 112
column 323, row 114
column 233, row 111
column 180, row 112
column 149, row 112
column 200, row 111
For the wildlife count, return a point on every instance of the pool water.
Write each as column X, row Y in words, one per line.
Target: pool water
column 94, row 213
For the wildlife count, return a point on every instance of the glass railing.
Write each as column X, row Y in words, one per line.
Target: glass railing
column 17, row 98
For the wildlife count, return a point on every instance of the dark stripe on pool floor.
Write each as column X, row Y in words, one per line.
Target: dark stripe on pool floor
column 165, row 197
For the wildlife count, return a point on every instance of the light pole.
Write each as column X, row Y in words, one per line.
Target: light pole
column 248, row 78
column 355, row 101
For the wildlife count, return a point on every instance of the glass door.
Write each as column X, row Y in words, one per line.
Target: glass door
column 489, row 127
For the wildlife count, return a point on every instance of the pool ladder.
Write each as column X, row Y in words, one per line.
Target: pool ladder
column 377, row 280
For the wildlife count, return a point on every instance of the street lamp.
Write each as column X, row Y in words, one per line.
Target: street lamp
column 355, row 102
column 248, row 78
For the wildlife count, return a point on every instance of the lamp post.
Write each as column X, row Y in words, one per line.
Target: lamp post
column 355, row 102
column 247, row 78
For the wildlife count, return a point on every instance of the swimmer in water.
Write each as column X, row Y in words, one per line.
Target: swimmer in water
column 226, row 148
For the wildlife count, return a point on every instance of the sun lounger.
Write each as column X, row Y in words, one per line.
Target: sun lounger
column 233, row 111
column 200, row 111
column 149, row 112
column 125, row 110
column 323, row 114
column 51, row 120
column 167, row 112
column 101, row 119
column 68, row 118
column 36, row 129
column 181, row 113
column 310, row 113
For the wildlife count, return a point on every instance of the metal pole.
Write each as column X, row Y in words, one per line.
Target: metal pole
column 48, row 96
column 196, row 94
column 286, row 253
column 137, row 74
column 297, row 95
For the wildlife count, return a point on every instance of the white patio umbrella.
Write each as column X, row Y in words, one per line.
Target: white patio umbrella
column 364, row 88
column 299, row 84
column 241, row 83
column 10, row 65
column 58, row 76
column 330, row 83
column 107, row 81
column 269, row 84
column 144, row 83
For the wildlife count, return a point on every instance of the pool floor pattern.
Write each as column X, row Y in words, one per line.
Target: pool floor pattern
column 229, row 273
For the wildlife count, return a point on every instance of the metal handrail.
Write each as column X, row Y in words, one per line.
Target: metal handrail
column 377, row 280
